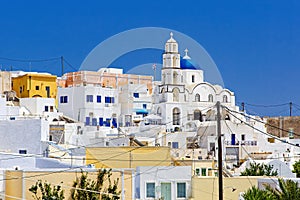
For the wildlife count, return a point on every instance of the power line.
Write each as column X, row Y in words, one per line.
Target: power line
column 268, row 124
column 30, row 60
column 268, row 134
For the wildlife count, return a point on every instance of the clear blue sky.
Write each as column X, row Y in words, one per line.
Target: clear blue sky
column 255, row 44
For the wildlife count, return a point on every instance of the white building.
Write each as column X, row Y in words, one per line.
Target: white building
column 163, row 182
column 93, row 105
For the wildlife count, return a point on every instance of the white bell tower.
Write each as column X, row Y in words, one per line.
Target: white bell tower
column 171, row 62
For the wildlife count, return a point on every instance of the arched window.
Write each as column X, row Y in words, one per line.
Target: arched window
column 176, row 94
column 225, row 99
column 210, row 98
column 176, row 116
column 197, row 98
column 158, row 111
column 198, row 115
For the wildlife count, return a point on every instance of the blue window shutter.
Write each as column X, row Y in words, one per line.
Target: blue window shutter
column 101, row 121
column 94, row 121
column 112, row 99
column 61, row 99
column 98, row 99
column 114, row 122
column 65, row 99
column 87, row 121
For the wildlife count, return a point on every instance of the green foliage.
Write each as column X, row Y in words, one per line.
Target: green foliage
column 256, row 194
column 47, row 192
column 297, row 168
column 288, row 190
column 87, row 189
column 257, row 169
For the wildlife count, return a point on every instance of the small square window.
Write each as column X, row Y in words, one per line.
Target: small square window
column 22, row 151
column 136, row 95
column 37, row 87
column 144, row 106
column 150, row 190
column 89, row 98
column 175, row 145
column 46, row 108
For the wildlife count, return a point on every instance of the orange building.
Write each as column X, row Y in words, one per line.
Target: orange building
column 105, row 77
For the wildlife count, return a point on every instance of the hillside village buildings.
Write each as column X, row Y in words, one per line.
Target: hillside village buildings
column 161, row 136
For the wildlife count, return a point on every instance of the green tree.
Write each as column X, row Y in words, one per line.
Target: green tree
column 297, row 168
column 257, row 169
column 288, row 190
column 254, row 193
column 47, row 191
column 87, row 189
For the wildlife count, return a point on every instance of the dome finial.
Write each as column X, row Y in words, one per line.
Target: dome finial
column 186, row 56
column 171, row 34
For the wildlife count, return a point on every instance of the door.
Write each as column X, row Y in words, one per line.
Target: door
column 166, row 191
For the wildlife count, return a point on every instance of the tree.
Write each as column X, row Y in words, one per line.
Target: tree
column 297, row 168
column 86, row 189
column 256, row 194
column 257, row 169
column 47, row 192
column 288, row 190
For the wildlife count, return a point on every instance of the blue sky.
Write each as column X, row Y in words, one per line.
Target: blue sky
column 255, row 44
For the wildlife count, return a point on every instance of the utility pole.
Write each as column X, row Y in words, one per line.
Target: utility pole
column 62, row 65
column 243, row 106
column 220, row 164
column 291, row 104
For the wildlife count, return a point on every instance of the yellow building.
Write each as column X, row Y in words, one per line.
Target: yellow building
column 128, row 157
column 233, row 187
column 17, row 182
column 35, row 85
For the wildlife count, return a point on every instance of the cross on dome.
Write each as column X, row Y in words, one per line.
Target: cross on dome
column 171, row 38
column 186, row 56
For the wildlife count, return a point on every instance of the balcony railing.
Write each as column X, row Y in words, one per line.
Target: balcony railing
column 236, row 143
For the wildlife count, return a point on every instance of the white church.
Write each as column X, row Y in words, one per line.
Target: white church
column 183, row 98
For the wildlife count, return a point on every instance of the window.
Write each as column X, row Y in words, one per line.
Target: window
column 107, row 123
column 193, row 78
column 89, row 98
column 225, row 99
column 175, row 145
column 181, row 190
column 136, row 95
column 109, row 100
column 98, row 99
column 94, row 122
column 150, row 190
column 243, row 137
column 176, row 94
column 37, row 87
column 46, row 108
column 144, row 106
column 48, row 91
column 203, row 171
column 210, row 98
column 176, row 116
column 21, row 89
column 197, row 98
column 63, row 99
column 197, row 171
column 22, row 151
column 100, row 121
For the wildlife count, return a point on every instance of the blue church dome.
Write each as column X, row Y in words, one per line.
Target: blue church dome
column 187, row 63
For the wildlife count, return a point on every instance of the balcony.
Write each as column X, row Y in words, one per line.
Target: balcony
column 237, row 143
